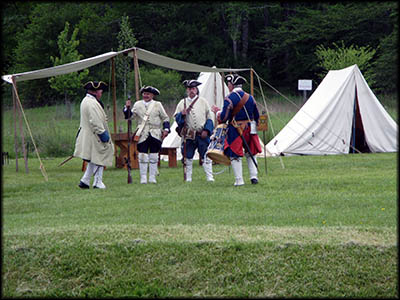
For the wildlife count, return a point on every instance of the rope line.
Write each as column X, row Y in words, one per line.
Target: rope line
column 268, row 114
column 42, row 169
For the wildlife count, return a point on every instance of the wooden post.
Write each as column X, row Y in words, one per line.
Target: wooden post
column 215, row 88
column 15, row 128
column 135, row 153
column 251, row 82
column 114, row 104
column 114, row 95
column 223, row 85
column 136, row 67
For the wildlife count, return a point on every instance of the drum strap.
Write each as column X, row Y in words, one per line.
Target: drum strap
column 241, row 103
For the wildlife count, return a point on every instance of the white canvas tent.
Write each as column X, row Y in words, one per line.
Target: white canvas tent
column 341, row 116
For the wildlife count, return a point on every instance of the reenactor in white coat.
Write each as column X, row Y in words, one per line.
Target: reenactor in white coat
column 93, row 143
column 195, row 125
column 152, row 127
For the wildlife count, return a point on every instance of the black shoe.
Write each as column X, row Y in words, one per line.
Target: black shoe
column 254, row 181
column 83, row 185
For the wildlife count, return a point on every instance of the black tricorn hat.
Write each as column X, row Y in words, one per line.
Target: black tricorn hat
column 150, row 89
column 191, row 83
column 95, row 85
column 235, row 79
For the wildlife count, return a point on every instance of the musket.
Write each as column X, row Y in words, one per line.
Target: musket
column 128, row 158
column 246, row 146
column 184, row 140
column 68, row 159
column 72, row 156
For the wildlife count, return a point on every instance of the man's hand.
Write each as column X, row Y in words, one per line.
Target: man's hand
column 215, row 109
column 164, row 134
column 204, row 134
column 128, row 103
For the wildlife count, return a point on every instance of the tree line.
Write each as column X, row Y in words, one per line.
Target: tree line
column 280, row 40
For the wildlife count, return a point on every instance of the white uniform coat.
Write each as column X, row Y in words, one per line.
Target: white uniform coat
column 198, row 115
column 154, row 124
column 88, row 145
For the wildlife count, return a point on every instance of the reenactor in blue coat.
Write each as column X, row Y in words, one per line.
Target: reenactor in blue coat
column 241, row 113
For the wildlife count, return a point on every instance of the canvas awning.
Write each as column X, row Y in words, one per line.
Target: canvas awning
column 61, row 69
column 175, row 64
column 142, row 54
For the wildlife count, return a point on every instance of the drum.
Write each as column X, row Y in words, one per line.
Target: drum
column 215, row 149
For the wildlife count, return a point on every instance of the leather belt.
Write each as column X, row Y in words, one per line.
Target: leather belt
column 191, row 134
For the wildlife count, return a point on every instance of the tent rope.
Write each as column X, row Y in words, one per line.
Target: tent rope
column 42, row 169
column 322, row 140
column 268, row 114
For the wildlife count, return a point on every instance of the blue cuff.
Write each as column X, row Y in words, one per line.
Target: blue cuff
column 166, row 126
column 180, row 120
column 209, row 126
column 104, row 137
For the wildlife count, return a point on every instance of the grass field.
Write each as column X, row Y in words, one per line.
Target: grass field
column 323, row 226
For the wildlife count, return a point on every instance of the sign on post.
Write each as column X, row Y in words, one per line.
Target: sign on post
column 305, row 85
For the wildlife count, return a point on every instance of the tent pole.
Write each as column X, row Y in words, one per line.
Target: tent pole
column 223, row 86
column 354, row 121
column 15, row 128
column 114, row 95
column 215, row 88
column 21, row 130
column 251, row 82
column 114, row 104
column 136, row 67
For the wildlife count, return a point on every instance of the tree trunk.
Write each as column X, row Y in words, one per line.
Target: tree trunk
column 245, row 35
column 287, row 14
column 267, row 41
column 234, row 48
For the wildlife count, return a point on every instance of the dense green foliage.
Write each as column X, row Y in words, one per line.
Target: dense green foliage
column 341, row 57
column 278, row 39
column 323, row 226
column 68, row 85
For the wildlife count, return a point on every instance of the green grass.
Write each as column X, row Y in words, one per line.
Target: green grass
column 323, row 226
